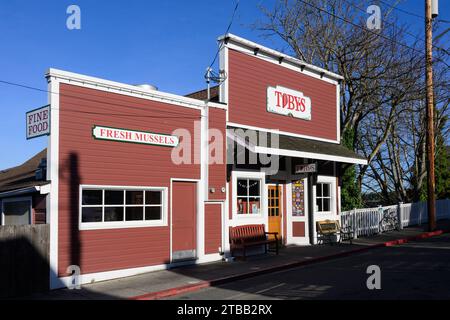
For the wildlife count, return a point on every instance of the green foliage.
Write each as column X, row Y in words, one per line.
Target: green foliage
column 350, row 193
column 441, row 168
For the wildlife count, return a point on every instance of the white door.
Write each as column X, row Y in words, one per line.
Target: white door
column 324, row 195
column 297, row 227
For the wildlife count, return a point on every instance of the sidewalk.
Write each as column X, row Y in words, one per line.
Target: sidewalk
column 169, row 282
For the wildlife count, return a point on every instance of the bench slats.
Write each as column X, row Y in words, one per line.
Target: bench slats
column 249, row 235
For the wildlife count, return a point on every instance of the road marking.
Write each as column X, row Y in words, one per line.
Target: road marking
column 418, row 246
column 268, row 289
column 257, row 292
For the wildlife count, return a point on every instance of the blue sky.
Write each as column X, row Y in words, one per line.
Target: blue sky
column 166, row 43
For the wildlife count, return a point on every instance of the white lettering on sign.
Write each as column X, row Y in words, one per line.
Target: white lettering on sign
column 288, row 102
column 125, row 135
column 38, row 122
column 305, row 168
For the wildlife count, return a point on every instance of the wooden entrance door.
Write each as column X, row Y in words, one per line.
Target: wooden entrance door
column 274, row 209
column 184, row 220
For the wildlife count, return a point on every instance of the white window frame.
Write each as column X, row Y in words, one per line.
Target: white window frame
column 326, row 180
column 254, row 176
column 123, row 224
column 17, row 199
column 330, row 197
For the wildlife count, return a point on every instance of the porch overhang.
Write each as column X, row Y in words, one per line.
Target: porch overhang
column 290, row 146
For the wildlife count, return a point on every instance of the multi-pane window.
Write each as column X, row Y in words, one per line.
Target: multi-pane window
column 323, row 197
column 112, row 206
column 248, row 196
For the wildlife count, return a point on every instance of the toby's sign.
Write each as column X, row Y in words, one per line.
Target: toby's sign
column 288, row 102
column 134, row 136
column 38, row 122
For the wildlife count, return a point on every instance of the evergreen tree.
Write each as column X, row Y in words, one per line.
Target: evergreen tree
column 350, row 193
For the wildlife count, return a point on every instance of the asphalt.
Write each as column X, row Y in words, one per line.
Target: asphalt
column 416, row 270
column 148, row 284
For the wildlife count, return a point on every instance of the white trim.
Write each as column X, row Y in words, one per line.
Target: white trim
column 293, row 153
column 53, row 176
column 338, row 112
column 290, row 219
column 332, row 214
column 123, row 224
column 285, row 133
column 126, row 89
column 308, row 155
column 88, row 278
column 249, row 218
column 247, row 46
column 17, row 199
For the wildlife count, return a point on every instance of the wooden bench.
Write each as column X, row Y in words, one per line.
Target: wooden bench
column 251, row 235
column 329, row 230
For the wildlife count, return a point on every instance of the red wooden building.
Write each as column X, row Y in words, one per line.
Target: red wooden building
column 143, row 180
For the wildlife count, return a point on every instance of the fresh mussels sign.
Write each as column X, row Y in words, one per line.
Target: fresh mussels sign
column 134, row 136
column 288, row 102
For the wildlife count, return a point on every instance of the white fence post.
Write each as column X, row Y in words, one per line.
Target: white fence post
column 399, row 215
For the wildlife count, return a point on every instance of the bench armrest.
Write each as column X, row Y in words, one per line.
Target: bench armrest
column 273, row 233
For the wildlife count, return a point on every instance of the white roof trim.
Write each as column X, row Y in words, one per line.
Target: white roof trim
column 119, row 87
column 294, row 153
column 247, row 43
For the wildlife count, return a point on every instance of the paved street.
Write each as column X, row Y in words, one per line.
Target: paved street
column 417, row 270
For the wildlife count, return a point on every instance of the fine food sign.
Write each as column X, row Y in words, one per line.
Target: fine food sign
column 38, row 122
column 288, row 102
column 306, row 168
column 134, row 136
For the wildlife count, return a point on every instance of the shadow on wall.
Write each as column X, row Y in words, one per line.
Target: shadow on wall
column 75, row 181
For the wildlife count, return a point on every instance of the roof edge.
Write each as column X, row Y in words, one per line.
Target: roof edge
column 250, row 44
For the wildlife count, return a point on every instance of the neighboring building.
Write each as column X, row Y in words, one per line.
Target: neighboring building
column 131, row 192
column 23, row 192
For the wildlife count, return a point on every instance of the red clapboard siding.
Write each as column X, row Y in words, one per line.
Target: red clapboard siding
column 39, row 209
column 84, row 160
column 217, row 172
column 213, row 227
column 249, row 78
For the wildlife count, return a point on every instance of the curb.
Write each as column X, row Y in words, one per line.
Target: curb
column 215, row 282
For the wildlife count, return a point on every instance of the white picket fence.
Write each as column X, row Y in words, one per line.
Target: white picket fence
column 365, row 222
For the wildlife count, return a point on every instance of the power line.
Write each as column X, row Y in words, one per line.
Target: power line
column 416, row 37
column 143, row 108
column 402, row 10
column 367, row 30
column 228, row 29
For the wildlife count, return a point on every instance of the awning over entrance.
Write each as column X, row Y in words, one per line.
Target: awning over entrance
column 261, row 142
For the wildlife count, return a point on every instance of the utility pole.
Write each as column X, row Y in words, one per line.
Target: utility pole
column 431, row 201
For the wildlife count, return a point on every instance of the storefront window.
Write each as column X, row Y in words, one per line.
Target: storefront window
column 248, row 196
column 104, row 207
column 323, row 197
